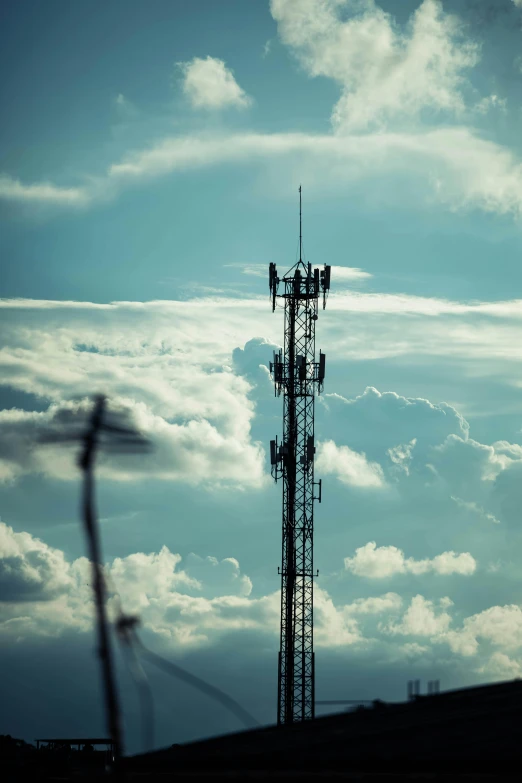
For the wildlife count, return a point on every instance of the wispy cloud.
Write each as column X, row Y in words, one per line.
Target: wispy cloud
column 449, row 166
column 43, row 193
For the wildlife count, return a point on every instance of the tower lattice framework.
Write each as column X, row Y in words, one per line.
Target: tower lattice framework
column 298, row 376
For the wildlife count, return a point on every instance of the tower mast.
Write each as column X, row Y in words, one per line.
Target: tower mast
column 298, row 376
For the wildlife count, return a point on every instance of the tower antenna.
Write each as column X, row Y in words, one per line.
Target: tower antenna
column 298, row 375
column 300, row 228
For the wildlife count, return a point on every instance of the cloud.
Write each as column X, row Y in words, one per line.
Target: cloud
column 350, row 273
column 209, row 84
column 402, row 455
column 45, row 193
column 382, row 562
column 452, row 167
column 188, row 603
column 386, row 75
column 421, row 619
column 340, row 273
column 375, row 605
column 194, row 452
column 125, row 107
column 491, row 102
column 29, row 569
column 518, row 3
column 500, row 625
column 501, row 665
column 200, row 602
column 348, row 466
column 497, row 626
column 43, row 594
column 400, row 420
column 466, row 463
column 383, row 73
column 469, row 505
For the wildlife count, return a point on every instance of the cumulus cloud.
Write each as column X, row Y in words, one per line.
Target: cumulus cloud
column 383, row 72
column 44, row 594
column 401, row 420
column 194, row 452
column 190, row 603
column 422, row 619
column 178, row 386
column 497, row 627
column 348, row 466
column 374, row 605
column 29, row 569
column 198, row 601
column 192, row 389
column 464, row 463
column 209, row 84
column 381, row 562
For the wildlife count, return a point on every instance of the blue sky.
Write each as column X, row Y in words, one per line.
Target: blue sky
column 149, row 163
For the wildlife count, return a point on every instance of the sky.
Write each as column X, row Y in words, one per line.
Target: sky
column 150, row 156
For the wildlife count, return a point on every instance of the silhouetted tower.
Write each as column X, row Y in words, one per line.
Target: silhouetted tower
column 298, row 376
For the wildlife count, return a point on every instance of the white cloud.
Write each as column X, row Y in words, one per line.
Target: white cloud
column 383, row 73
column 195, row 452
column 44, row 594
column 401, row 456
column 500, row 625
column 339, row 273
column 198, row 601
column 375, row 605
column 209, row 84
column 266, row 48
column 12, row 189
column 470, row 505
column 173, row 376
column 349, row 273
column 518, row 3
column 29, row 569
column 450, row 166
column 491, row 102
column 125, row 107
column 173, row 368
column 421, row 619
column 381, row 562
column 500, row 664
column 348, row 466
column 398, row 419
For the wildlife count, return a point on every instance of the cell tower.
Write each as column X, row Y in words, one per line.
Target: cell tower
column 298, row 376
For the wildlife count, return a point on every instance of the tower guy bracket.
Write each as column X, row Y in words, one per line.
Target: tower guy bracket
column 298, row 376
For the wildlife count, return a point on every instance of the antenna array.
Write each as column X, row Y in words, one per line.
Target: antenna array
column 298, row 376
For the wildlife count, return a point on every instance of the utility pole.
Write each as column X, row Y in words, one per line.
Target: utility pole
column 298, row 376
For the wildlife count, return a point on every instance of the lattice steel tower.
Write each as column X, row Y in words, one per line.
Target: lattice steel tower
column 298, row 376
